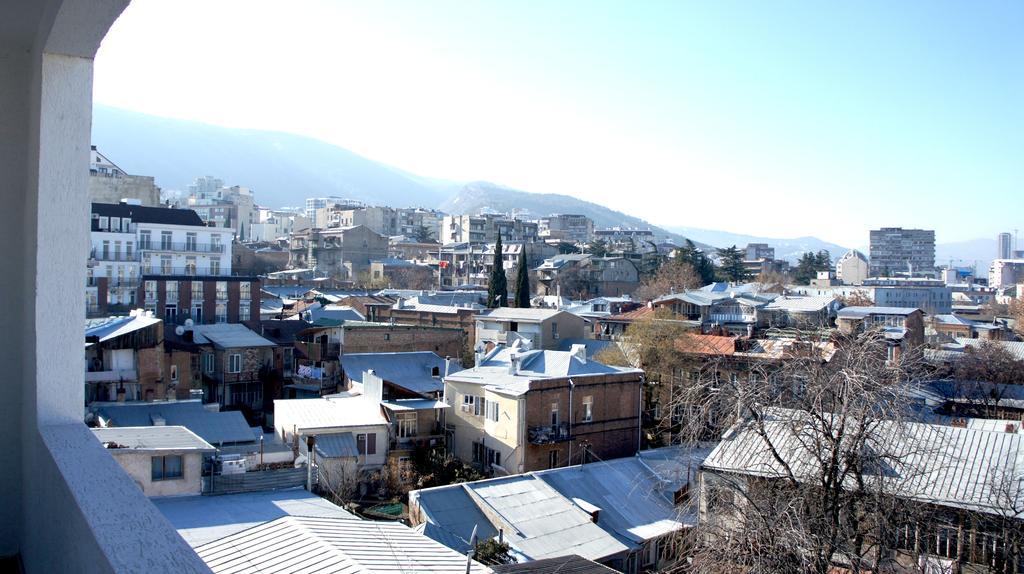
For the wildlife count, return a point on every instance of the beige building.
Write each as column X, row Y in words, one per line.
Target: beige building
column 162, row 460
column 110, row 184
column 520, row 410
column 852, row 268
column 339, row 252
column 542, row 328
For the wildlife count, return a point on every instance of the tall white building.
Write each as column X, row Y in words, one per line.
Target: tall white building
column 852, row 268
column 1005, row 248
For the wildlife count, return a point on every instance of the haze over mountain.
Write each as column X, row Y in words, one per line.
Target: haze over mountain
column 284, row 169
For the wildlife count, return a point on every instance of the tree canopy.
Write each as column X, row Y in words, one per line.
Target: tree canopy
column 497, row 287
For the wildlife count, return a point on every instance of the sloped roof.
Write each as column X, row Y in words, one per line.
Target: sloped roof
column 800, row 304
column 571, row 564
column 215, row 427
column 411, row 371
column 630, row 316
column 150, row 438
column 329, row 412
column 331, row 545
column 706, row 344
column 937, row 464
column 861, row 312
column 494, row 371
column 336, row 445
column 112, row 327
column 517, row 314
column 1015, row 348
column 229, row 336
column 144, row 214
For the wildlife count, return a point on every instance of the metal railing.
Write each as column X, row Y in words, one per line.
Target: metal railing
column 188, row 247
column 100, row 255
column 194, row 271
column 548, row 434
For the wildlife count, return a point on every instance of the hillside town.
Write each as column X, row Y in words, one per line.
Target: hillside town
column 517, row 392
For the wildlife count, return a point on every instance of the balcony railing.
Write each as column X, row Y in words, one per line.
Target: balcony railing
column 549, row 433
column 111, row 376
column 193, row 271
column 186, row 247
column 100, row 255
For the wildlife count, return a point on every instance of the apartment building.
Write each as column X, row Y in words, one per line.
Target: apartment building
column 270, row 225
column 541, row 328
column 485, row 228
column 896, row 250
column 852, row 268
column 108, row 183
column 519, row 410
column 570, row 228
column 339, row 252
column 932, row 296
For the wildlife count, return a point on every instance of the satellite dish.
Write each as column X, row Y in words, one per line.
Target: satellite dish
column 179, row 330
column 189, row 323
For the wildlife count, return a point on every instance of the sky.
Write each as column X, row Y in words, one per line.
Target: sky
column 780, row 119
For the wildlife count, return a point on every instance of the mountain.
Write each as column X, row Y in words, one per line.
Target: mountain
column 282, row 169
column 787, row 249
column 480, row 195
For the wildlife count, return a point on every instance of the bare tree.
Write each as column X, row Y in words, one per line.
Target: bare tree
column 857, row 298
column 673, row 276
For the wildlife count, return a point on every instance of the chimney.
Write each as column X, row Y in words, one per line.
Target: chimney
column 580, row 352
column 478, row 356
column 513, row 364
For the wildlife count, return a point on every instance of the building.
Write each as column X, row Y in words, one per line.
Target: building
column 1004, row 246
column 894, row 250
column 755, row 251
column 484, row 228
column 339, row 252
column 124, row 360
column 469, row 265
column 932, row 296
column 131, row 241
column 542, row 328
column 1006, row 273
column 852, row 268
column 408, row 375
column 162, row 460
column 902, row 326
column 110, row 184
column 201, row 299
column 418, row 223
column 719, row 307
column 626, row 240
column 624, row 512
column 314, row 205
column 569, row 228
column 274, row 225
column 519, row 410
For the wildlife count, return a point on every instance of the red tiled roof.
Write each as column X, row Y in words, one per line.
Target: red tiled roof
column 706, row 345
column 634, row 315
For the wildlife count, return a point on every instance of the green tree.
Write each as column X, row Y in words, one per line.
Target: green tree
column 497, row 287
column 493, row 553
column 809, row 264
column 422, row 234
column 731, row 266
column 698, row 260
column 522, row 282
column 598, row 248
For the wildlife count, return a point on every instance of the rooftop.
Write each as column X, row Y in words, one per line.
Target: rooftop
column 329, row 412
column 151, row 438
column 862, row 312
column 516, row 314
column 108, row 328
column 141, row 214
column 412, row 371
column 215, row 427
column 229, row 336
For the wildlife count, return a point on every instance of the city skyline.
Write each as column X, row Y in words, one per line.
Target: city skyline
column 910, row 108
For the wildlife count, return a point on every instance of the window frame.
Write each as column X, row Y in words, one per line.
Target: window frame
column 164, row 474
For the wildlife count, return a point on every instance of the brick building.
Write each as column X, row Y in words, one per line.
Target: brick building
column 203, row 299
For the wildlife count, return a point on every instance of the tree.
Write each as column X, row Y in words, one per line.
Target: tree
column 674, row 276
column 989, row 362
column 1016, row 312
column 857, row 298
column 701, row 263
column 773, row 281
column 497, row 287
column 809, row 264
column 422, row 234
column 573, row 282
column 731, row 264
column 493, row 553
column 522, row 282
column 598, row 248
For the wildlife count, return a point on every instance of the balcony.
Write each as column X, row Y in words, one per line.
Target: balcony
column 732, row 318
column 186, row 247
column 100, row 255
column 548, row 434
column 111, row 376
column 193, row 271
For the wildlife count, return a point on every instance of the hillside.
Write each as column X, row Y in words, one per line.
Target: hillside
column 282, row 169
column 787, row 249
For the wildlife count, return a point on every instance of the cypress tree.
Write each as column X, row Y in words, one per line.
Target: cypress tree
column 522, row 282
column 497, row 287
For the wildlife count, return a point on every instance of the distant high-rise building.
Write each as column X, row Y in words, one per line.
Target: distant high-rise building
column 1005, row 241
column 894, row 250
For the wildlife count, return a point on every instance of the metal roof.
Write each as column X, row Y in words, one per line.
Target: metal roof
column 111, row 327
column 329, row 412
column 411, row 371
column 452, row 515
column 937, row 464
column 145, row 214
column 1015, row 348
column 202, row 519
column 516, row 314
column 151, row 438
column 337, row 445
column 800, row 304
column 571, row 564
column 229, row 336
column 861, row 312
column 215, row 427
column 400, row 405
column 330, row 545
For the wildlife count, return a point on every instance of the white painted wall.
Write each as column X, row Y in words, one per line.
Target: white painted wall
column 138, row 465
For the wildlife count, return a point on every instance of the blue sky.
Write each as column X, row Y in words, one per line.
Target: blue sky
column 778, row 119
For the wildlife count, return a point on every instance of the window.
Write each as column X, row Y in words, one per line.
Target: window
column 221, row 313
column 171, row 291
column 165, row 240
column 222, row 290
column 215, row 243
column 106, row 250
column 117, row 251
column 234, row 363
column 554, row 331
column 215, row 267
column 145, row 239
column 190, row 265
column 197, row 290
column 150, row 289
column 104, row 223
column 479, row 405
column 165, row 264
column 406, row 425
column 243, row 311
column 166, row 467
column 552, row 459
column 588, row 409
column 197, row 313
column 174, row 372
column 190, row 241
column 554, row 414
column 467, row 403
column 245, row 290
column 366, row 443
column 650, row 553
column 208, row 362
column 171, row 313
column 128, row 250
column 513, row 326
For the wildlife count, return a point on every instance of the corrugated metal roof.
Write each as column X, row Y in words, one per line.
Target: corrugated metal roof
column 325, row 545
column 452, row 515
column 337, row 445
column 517, row 314
column 203, row 519
column 800, row 304
column 1015, row 348
column 229, row 336
column 861, row 312
column 412, row 371
column 111, row 327
column 948, row 466
column 571, row 564
column 223, row 427
column 151, row 438
column 329, row 412
column 399, row 405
